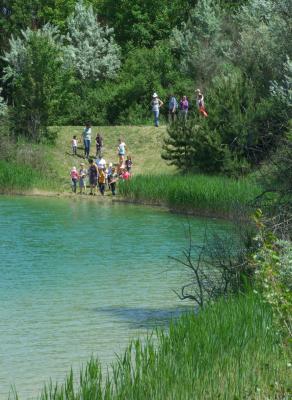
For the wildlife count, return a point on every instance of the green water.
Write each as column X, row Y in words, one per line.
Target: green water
column 79, row 278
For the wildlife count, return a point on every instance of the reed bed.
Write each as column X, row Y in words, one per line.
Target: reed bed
column 230, row 350
column 217, row 194
column 17, row 177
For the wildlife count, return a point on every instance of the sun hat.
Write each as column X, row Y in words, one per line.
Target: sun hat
column 198, row 90
column 110, row 164
column 155, row 94
column 74, row 169
column 82, row 163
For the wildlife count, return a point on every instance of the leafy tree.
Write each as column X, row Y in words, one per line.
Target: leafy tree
column 264, row 41
column 139, row 23
column 35, row 71
column 91, row 48
column 201, row 43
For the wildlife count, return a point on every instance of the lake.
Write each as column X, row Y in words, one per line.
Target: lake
column 79, row 277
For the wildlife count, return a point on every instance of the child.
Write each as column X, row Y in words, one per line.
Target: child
column 74, row 178
column 99, row 145
column 101, row 180
column 74, row 143
column 129, row 164
column 82, row 176
column 125, row 175
column 112, row 180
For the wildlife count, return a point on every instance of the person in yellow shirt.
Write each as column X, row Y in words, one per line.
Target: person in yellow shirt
column 101, row 180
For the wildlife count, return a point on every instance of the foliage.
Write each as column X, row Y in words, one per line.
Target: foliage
column 36, row 74
column 201, row 42
column 228, row 350
column 264, row 41
column 91, row 48
column 209, row 194
column 141, row 24
column 3, row 106
column 272, row 263
column 239, row 132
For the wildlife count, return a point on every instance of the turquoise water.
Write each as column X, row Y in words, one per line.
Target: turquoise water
column 79, row 278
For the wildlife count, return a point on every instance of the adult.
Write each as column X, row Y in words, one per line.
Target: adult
column 201, row 103
column 184, row 107
column 99, row 145
column 172, row 107
column 92, row 175
column 156, row 104
column 86, row 134
column 121, row 152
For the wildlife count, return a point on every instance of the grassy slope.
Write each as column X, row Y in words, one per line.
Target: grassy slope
column 143, row 144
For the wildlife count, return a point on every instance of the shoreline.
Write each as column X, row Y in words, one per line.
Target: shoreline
column 206, row 213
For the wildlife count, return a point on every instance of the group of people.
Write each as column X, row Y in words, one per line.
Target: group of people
column 177, row 108
column 98, row 173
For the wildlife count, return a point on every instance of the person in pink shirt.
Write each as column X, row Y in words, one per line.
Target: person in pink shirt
column 74, row 178
column 184, row 107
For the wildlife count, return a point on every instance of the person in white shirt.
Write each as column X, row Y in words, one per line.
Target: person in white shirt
column 156, row 104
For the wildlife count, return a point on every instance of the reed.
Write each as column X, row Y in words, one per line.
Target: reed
column 230, row 350
column 191, row 192
column 17, row 177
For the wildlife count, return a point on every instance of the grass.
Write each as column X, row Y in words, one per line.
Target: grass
column 16, row 177
column 48, row 167
column 230, row 350
column 217, row 194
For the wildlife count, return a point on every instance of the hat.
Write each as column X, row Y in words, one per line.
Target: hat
column 198, row 90
column 74, row 169
column 110, row 164
column 82, row 163
column 155, row 94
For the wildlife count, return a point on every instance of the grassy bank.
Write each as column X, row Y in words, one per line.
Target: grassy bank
column 15, row 177
column 209, row 194
column 230, row 350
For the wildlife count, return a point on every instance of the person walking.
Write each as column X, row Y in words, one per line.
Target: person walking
column 74, row 178
column 121, row 152
column 156, row 104
column 172, row 107
column 86, row 134
column 184, row 107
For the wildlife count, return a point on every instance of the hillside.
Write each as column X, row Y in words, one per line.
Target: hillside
column 143, row 144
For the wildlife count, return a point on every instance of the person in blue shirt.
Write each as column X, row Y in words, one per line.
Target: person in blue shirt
column 172, row 108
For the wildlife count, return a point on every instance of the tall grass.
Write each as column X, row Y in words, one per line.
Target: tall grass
column 18, row 177
column 191, row 192
column 230, row 350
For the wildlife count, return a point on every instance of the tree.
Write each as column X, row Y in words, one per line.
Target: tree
column 34, row 70
column 201, row 42
column 91, row 48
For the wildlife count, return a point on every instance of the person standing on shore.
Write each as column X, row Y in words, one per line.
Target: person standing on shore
column 101, row 180
column 172, row 107
column 156, row 104
column 92, row 173
column 74, row 178
column 86, row 134
column 74, row 145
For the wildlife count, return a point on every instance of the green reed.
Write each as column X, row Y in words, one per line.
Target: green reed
column 190, row 192
column 17, row 177
column 229, row 350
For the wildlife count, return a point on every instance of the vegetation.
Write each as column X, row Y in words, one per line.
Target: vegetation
column 207, row 194
column 229, row 350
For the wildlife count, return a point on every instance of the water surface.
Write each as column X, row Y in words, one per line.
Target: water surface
column 79, row 278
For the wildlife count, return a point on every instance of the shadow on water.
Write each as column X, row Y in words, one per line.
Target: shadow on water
column 146, row 318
